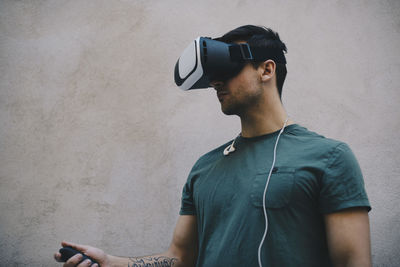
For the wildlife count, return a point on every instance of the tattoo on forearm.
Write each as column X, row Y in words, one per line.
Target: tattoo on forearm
column 160, row 261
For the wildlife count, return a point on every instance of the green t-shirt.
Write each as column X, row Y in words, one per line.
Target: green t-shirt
column 313, row 175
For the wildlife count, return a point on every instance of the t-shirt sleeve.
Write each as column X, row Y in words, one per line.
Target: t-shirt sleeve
column 342, row 183
column 187, row 202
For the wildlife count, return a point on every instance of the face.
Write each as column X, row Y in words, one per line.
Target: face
column 239, row 93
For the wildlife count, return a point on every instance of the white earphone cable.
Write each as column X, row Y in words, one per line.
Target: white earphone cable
column 265, row 193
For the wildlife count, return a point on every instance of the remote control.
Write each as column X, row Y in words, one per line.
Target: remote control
column 68, row 252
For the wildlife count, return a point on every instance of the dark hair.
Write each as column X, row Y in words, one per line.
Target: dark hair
column 262, row 37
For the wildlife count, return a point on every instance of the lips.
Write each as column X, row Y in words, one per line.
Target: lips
column 221, row 95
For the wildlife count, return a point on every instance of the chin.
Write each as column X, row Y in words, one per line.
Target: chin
column 228, row 111
column 232, row 109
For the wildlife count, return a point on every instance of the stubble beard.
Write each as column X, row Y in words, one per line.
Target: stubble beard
column 239, row 105
column 229, row 108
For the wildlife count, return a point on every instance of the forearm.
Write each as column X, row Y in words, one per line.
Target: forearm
column 181, row 253
column 160, row 260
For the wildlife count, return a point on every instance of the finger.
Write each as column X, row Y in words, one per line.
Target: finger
column 79, row 247
column 74, row 260
column 57, row 256
column 95, row 265
column 85, row 263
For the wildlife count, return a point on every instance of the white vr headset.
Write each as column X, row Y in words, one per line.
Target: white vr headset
column 206, row 60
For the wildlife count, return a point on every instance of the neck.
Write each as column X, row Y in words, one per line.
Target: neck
column 267, row 119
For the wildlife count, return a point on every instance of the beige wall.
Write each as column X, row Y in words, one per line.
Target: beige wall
column 96, row 140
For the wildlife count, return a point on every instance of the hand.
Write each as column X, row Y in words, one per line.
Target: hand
column 94, row 253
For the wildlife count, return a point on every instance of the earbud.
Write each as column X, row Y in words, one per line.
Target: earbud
column 265, row 77
column 229, row 149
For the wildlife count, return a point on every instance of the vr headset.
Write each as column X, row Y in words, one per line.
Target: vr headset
column 206, row 60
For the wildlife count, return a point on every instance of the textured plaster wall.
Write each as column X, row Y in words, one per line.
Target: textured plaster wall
column 96, row 141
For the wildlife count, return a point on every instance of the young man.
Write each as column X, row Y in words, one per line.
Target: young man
column 315, row 205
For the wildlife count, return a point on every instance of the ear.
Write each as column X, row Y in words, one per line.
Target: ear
column 267, row 70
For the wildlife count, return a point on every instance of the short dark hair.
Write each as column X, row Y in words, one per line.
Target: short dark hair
column 262, row 37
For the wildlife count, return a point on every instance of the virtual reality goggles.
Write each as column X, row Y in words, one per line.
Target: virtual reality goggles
column 206, row 60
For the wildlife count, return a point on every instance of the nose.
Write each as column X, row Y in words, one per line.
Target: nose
column 216, row 84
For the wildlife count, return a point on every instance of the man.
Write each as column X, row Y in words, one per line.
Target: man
column 259, row 202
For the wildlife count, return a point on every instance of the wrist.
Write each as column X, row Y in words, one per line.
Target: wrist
column 114, row 261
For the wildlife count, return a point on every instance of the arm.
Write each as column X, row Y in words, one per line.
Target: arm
column 348, row 237
column 181, row 253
